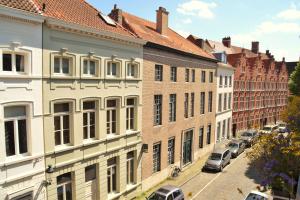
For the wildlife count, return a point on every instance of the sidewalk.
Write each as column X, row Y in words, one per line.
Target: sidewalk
column 184, row 176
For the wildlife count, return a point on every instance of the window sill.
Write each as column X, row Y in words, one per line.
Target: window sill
column 62, row 148
column 113, row 195
column 131, row 132
column 19, row 159
column 131, row 186
column 90, row 141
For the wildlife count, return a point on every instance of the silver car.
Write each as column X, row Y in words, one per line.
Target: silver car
column 218, row 159
column 249, row 137
column 167, row 192
column 236, row 147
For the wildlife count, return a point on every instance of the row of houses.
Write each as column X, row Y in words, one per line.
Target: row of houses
column 102, row 107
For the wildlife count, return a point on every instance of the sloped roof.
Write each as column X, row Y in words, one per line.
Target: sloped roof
column 147, row 31
column 25, row 5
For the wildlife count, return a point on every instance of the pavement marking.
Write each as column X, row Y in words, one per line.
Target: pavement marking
column 219, row 174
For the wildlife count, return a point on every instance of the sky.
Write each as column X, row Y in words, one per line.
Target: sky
column 274, row 23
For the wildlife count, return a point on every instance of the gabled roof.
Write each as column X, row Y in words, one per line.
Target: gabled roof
column 25, row 5
column 147, row 30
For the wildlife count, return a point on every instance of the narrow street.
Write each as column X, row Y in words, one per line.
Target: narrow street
column 223, row 186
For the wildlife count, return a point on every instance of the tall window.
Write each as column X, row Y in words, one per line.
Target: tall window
column 220, row 103
column 202, row 103
column 201, row 133
column 12, row 62
column 158, row 73
column 130, row 168
column 210, row 101
column 203, row 76
column 225, row 102
column 157, row 110
column 192, row 104
column 64, row 187
column 172, row 108
column 226, row 81
column 130, row 113
column 230, row 80
column 112, row 175
column 193, row 75
column 112, row 69
column 111, row 116
column 173, row 74
column 15, row 125
column 132, row 70
column 228, row 128
column 224, row 129
column 211, row 77
column 89, row 67
column 187, row 75
column 186, row 105
column 156, row 157
column 89, row 119
column 221, row 80
column 171, row 150
column 62, row 123
column 229, row 100
column 62, row 65
column 208, row 137
column 218, row 131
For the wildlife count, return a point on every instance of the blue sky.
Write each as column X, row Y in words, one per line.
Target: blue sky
column 274, row 23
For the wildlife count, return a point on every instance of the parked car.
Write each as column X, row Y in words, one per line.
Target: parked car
column 236, row 147
column 167, row 192
column 218, row 159
column 282, row 128
column 255, row 195
column 269, row 129
column 249, row 137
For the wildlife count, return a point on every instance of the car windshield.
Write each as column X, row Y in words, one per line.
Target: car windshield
column 255, row 197
column 267, row 129
column 247, row 134
column 215, row 156
column 156, row 196
column 234, row 145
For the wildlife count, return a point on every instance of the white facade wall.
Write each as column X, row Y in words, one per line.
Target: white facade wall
column 22, row 174
column 224, row 115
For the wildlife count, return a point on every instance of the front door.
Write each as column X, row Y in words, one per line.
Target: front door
column 187, row 147
column 234, row 130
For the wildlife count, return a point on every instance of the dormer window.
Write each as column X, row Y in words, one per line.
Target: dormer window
column 113, row 69
column 62, row 65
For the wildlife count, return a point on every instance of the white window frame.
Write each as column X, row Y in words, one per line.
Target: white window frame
column 171, row 151
column 27, row 60
column 172, row 107
column 89, row 60
column 63, row 185
column 129, row 110
column 157, row 110
column 130, row 165
column 61, row 116
column 109, row 71
column 89, row 125
column 129, row 67
column 109, row 111
column 61, row 57
column 113, row 171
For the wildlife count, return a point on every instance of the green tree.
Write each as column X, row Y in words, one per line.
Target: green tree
column 294, row 83
column 292, row 114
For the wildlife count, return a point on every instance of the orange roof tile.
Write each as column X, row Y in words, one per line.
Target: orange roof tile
column 25, row 5
column 147, row 31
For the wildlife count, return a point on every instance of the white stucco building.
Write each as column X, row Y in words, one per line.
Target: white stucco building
column 21, row 123
column 225, row 77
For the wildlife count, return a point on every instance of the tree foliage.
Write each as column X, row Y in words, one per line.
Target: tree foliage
column 292, row 114
column 294, row 83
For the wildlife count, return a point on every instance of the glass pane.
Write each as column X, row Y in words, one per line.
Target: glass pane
column 114, row 180
column 92, row 67
column 65, row 65
column 111, row 103
column 69, row 191
column 14, row 111
column 108, row 181
column 61, row 107
column 57, row 123
column 85, row 135
column 114, row 127
column 64, row 178
column 57, row 138
column 19, row 63
column 108, row 68
column 114, row 69
column 56, row 65
column 66, row 137
column 60, row 195
column 90, row 173
column 92, row 118
column 9, row 138
column 89, row 105
column 22, row 136
column 7, row 65
column 130, row 102
column 66, row 122
column 85, row 66
column 85, row 119
column 113, row 115
column 92, row 131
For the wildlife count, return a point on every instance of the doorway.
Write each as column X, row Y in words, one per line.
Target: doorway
column 187, row 147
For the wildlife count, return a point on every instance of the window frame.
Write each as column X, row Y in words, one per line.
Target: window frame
column 109, row 111
column 158, row 72
column 97, row 61
column 113, row 168
column 64, row 185
column 157, row 110
column 130, row 169
column 61, row 57
column 136, row 66
column 171, row 151
column 172, row 107
column 130, row 109
column 89, row 125
column 61, row 116
column 193, row 75
column 211, row 77
column 203, row 76
column 173, row 74
column 202, row 103
column 187, row 75
column 210, row 101
column 156, row 163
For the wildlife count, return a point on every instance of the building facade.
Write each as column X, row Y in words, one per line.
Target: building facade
column 179, row 92
column 22, row 145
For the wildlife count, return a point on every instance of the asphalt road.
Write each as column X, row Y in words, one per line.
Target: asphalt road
column 238, row 175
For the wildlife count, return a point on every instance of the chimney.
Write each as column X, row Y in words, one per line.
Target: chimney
column 227, row 41
column 162, row 20
column 283, row 59
column 116, row 14
column 255, row 47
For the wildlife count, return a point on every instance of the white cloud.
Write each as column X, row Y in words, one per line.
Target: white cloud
column 289, row 14
column 183, row 33
column 197, row 8
column 282, row 27
column 187, row 21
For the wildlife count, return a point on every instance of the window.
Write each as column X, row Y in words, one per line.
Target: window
column 132, row 70
column 62, row 123
column 203, row 74
column 192, row 104
column 130, row 168
column 157, row 110
column 15, row 126
column 193, row 75
column 89, row 67
column 90, row 173
column 211, row 77
column 230, row 80
column 224, row 129
column 26, row 196
column 13, row 62
column 202, row 103
column 112, row 175
column 89, row 119
column 187, row 75
column 64, row 187
column 228, row 128
column 156, row 157
column 218, row 131
column 210, row 101
column 112, row 69
column 173, row 74
column 176, row 194
column 208, row 137
column 130, row 113
column 229, row 100
column 226, row 81
column 220, row 103
column 158, row 72
column 201, row 133
column 111, row 116
column 172, row 108
column 62, row 65
column 186, row 105
column 171, row 150
column 221, row 81
column 225, row 102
